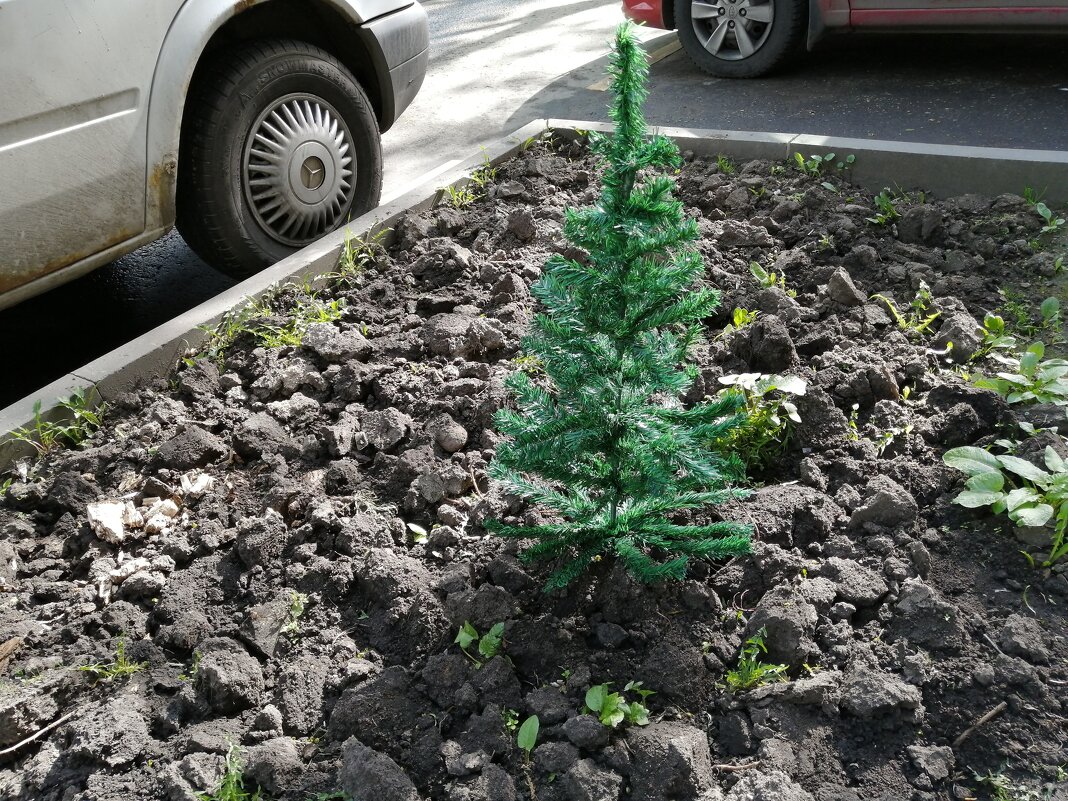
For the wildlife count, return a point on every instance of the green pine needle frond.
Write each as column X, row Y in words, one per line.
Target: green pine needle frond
column 600, row 438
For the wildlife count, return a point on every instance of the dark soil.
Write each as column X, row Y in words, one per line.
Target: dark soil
column 903, row 618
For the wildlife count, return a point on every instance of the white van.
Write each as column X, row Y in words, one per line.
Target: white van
column 254, row 125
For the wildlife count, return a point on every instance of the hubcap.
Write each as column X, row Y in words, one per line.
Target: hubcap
column 732, row 29
column 299, row 169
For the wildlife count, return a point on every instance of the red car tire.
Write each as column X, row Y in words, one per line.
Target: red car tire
column 740, row 38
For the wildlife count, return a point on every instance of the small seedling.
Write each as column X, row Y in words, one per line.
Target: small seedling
column 117, row 669
column 885, row 209
column 510, row 718
column 81, row 418
column 488, row 644
column 232, row 786
column 526, row 740
column 1031, row 196
column 768, row 279
column 359, row 252
column 854, row 433
column 484, row 174
column 297, row 602
column 918, row 319
column 613, row 708
column 193, row 668
column 460, row 197
column 724, row 164
column 751, row 671
column 529, row 364
column 1053, row 222
column 740, row 318
column 528, row 735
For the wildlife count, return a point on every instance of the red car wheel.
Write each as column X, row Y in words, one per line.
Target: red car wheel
column 740, row 38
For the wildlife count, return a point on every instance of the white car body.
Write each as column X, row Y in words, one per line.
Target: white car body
column 91, row 105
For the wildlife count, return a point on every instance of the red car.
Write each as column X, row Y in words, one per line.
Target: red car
column 747, row 38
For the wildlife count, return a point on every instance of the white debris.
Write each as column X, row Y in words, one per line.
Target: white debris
column 157, row 524
column 195, row 483
column 105, row 518
column 131, row 518
column 168, row 508
column 128, row 568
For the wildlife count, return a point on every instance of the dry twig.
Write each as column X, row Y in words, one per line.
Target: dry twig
column 989, row 716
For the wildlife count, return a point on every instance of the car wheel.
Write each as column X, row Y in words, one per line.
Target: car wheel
column 740, row 38
column 280, row 146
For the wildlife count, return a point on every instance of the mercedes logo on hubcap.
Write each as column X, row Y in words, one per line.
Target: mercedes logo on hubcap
column 312, row 173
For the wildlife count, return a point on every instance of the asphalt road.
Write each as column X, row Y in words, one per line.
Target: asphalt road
column 497, row 64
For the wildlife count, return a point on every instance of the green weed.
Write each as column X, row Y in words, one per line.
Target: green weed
column 770, row 415
column 297, row 602
column 1029, row 495
column 768, row 279
column 740, row 318
column 488, row 644
column 81, row 417
column 1029, row 378
column 751, row 671
column 724, row 164
column 885, row 209
column 360, row 251
column 1052, row 221
column 919, row 317
column 232, row 786
column 117, row 669
column 614, row 708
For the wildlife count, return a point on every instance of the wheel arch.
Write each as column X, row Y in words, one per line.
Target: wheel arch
column 202, row 27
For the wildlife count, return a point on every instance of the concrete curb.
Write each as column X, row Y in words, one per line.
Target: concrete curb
column 945, row 170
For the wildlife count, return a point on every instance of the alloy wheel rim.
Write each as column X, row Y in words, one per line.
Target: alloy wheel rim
column 299, row 169
column 732, row 29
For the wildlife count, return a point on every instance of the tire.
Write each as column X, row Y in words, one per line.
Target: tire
column 245, row 202
column 709, row 31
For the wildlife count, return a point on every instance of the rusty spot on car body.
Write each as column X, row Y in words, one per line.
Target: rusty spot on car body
column 162, row 186
column 13, row 280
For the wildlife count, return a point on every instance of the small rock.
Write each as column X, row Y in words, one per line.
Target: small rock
column 385, row 428
column 790, row 621
column 936, row 761
column 263, row 626
column 556, row 758
column 105, row 518
column 262, row 435
column 447, row 433
column 261, row 540
column 772, row 785
column 853, row 582
column 521, row 225
column 671, row 760
column 1023, row 636
column 268, row 719
column 868, row 693
column 587, row 732
column 765, row 345
column 588, row 781
column 365, row 773
column 887, row 504
column 193, row 447
column 920, row 224
column 611, row 635
column 841, row 289
column 333, row 345
column 273, row 765
column 228, row 676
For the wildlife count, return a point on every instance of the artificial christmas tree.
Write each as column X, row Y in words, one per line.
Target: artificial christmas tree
column 606, row 443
